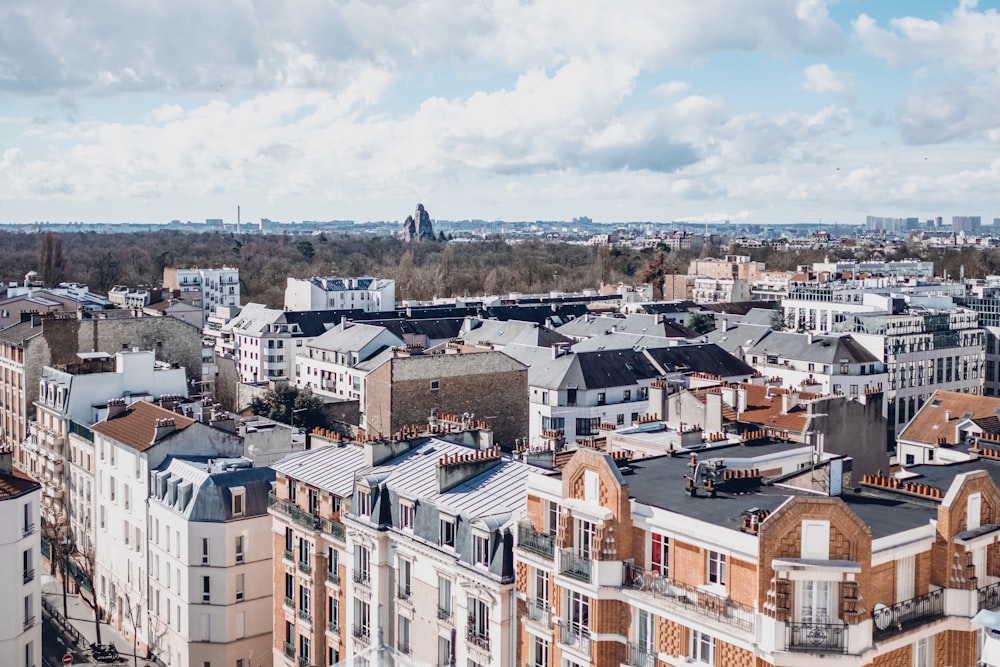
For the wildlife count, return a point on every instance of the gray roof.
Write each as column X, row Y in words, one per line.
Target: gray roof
column 621, row 341
column 211, row 487
column 329, row 469
column 592, row 370
column 352, row 339
column 740, row 336
column 699, row 358
column 497, row 491
column 510, row 332
column 817, row 349
column 639, row 324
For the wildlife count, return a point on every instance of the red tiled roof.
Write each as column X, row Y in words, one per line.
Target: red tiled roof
column 135, row 427
column 930, row 426
column 16, row 483
column 765, row 408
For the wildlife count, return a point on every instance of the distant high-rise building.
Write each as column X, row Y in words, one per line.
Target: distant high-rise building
column 966, row 223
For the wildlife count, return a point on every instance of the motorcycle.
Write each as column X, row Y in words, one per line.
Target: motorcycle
column 105, row 652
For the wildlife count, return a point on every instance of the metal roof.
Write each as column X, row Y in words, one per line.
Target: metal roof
column 326, row 468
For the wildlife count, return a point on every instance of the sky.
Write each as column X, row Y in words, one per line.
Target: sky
column 756, row 111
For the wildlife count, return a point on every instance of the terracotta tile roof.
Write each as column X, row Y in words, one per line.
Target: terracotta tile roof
column 728, row 413
column 135, row 427
column 930, row 426
column 765, row 408
column 16, row 483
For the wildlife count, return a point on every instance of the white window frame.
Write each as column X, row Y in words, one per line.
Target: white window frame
column 702, row 648
column 715, row 573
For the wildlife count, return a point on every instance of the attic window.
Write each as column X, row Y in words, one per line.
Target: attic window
column 966, row 415
column 435, row 385
column 936, row 402
column 239, row 500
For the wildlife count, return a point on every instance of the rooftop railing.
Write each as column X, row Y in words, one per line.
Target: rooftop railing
column 908, row 613
column 531, row 540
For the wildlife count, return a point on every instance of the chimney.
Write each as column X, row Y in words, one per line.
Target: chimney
column 947, row 415
column 809, row 338
column 116, row 406
column 789, row 401
column 6, row 460
column 725, row 324
column 459, row 468
column 164, row 427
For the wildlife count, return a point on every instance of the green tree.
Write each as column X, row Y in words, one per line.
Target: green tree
column 50, row 260
column 700, row 323
column 777, row 320
column 290, row 405
column 306, row 248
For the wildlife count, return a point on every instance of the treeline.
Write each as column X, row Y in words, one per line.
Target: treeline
column 422, row 270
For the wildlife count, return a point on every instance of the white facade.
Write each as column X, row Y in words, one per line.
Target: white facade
column 229, row 617
column 328, row 364
column 261, row 343
column 372, row 295
column 720, row 290
column 20, row 585
column 207, row 288
column 578, row 413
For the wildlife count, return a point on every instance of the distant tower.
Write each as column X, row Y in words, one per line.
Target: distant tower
column 237, row 219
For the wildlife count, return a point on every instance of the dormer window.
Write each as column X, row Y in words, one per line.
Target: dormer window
column 481, row 549
column 239, row 501
column 364, row 502
column 406, row 515
column 446, row 533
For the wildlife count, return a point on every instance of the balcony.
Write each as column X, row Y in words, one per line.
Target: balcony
column 333, row 627
column 29, row 575
column 907, row 614
column 304, row 662
column 27, row 529
column 294, row 512
column 640, row 655
column 333, row 528
column 289, row 650
column 403, row 592
column 305, row 567
column 288, row 555
column 577, row 567
column 478, row 637
column 333, row 577
column 29, row 622
column 538, row 611
column 577, row 637
column 444, row 614
column 817, row 637
column 687, row 597
column 289, row 602
column 537, row 543
column 363, row 576
column 989, row 596
column 305, row 615
column 362, row 634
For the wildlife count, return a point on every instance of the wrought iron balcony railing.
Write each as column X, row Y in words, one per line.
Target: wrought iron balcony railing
column 538, row 543
column 908, row 613
column 823, row 637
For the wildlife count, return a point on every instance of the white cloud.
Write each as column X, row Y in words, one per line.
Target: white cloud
column 821, row 79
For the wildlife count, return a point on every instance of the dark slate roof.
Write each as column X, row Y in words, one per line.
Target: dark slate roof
column 316, row 322
column 17, row 333
column 740, row 307
column 439, row 328
column 665, row 307
column 699, row 358
column 535, row 313
column 614, row 368
column 211, row 488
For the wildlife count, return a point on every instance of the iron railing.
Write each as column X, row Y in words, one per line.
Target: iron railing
column 478, row 638
column 334, row 627
column 538, row 610
column 575, row 566
column 576, row 636
column 293, row 511
column 689, row 597
column 362, row 633
column 915, row 611
column 333, row 576
column 305, row 615
column 305, row 567
column 640, row 655
column 289, row 650
column 989, row 596
column 825, row 637
column 363, row 576
column 333, row 528
column 531, row 540
column 444, row 614
column 29, row 575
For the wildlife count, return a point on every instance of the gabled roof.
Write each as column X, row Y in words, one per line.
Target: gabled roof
column 706, row 358
column 592, row 370
column 936, row 420
column 816, row 349
column 765, row 407
column 354, row 338
column 16, row 483
column 135, row 426
column 735, row 338
column 326, row 468
column 511, row 332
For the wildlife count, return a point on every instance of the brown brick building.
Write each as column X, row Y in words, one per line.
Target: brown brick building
column 701, row 560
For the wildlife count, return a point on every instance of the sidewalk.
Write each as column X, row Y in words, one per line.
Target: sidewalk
column 81, row 617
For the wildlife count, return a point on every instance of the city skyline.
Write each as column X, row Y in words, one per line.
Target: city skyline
column 762, row 112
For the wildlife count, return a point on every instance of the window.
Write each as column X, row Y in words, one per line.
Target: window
column 362, row 564
column 627, row 395
column 27, row 565
column 479, row 618
column 333, row 612
column 601, row 398
column 620, row 420
column 435, row 385
column 239, row 498
column 405, row 573
column 240, row 540
column 364, row 503
column 304, row 649
column 305, row 597
column 304, row 552
column 541, row 600
column 584, row 537
column 204, row 551
column 481, row 550
column 587, row 425
column 444, row 651
column 577, row 617
column 288, row 543
column 923, row 652
column 539, row 653
column 545, row 398
column 444, row 598
column 571, row 396
column 814, row 602
column 660, row 559
column 716, row 568
column 240, row 581
column 289, row 590
column 702, row 648
column 406, row 514
column 29, row 611
column 292, row 491
column 644, row 636
column 362, row 619
column 446, row 536
column 313, row 501
column 206, row 589
column 403, row 634
column 554, row 424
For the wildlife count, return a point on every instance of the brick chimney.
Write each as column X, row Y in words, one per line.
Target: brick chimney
column 459, row 468
column 116, row 406
column 164, row 427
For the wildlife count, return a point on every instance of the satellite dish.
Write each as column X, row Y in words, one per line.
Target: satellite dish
column 882, row 616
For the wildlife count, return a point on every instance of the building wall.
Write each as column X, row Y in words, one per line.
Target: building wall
column 20, row 640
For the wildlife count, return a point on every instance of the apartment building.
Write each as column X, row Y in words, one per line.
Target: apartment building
column 333, row 363
column 210, row 558
column 371, row 295
column 20, row 553
column 720, row 290
column 205, row 288
column 731, row 267
column 130, row 443
column 404, row 542
column 66, row 399
column 693, row 560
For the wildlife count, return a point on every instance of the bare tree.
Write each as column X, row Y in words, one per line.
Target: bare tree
column 57, row 533
column 133, row 608
column 86, row 560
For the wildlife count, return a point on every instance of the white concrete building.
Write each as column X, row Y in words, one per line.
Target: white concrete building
column 210, row 548
column 20, row 583
column 372, row 295
column 70, row 400
column 206, row 288
column 329, row 364
column 130, row 443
